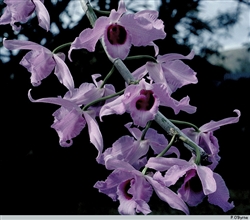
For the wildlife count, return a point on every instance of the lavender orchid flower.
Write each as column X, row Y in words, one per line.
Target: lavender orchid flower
column 70, row 119
column 200, row 181
column 178, row 167
column 142, row 102
column 20, row 11
column 40, row 62
column 109, row 89
column 156, row 141
column 127, row 185
column 139, row 100
column 205, row 138
column 133, row 189
column 193, row 195
column 119, row 31
column 133, row 151
column 169, row 71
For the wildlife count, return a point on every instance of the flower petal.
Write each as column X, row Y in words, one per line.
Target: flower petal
column 89, row 37
column 115, row 15
column 186, row 192
column 156, row 48
column 167, row 195
column 57, row 101
column 157, row 141
column 127, row 206
column 6, row 18
column 175, row 71
column 86, row 93
column 94, row 133
column 209, row 143
column 42, row 15
column 142, row 206
column 68, row 124
column 117, row 50
column 68, row 119
column 109, row 186
column 142, row 117
column 63, row 74
column 175, row 172
column 17, row 11
column 221, row 195
column 156, row 73
column 114, row 107
column 40, row 64
column 134, row 131
column 140, row 192
column 174, row 56
column 207, row 180
column 23, row 45
column 140, row 72
column 162, row 163
column 138, row 150
column 144, row 27
column 166, row 100
column 214, row 125
column 113, row 164
column 119, row 149
column 192, row 134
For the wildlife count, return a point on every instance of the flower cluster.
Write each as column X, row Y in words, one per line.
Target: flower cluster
column 135, row 174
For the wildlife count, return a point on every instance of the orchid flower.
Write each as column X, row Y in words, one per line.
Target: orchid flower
column 206, row 140
column 40, row 62
column 134, row 150
column 108, row 89
column 119, row 31
column 139, row 100
column 70, row 119
column 200, row 181
column 142, row 102
column 20, row 11
column 176, row 168
column 169, row 70
column 193, row 195
column 133, row 189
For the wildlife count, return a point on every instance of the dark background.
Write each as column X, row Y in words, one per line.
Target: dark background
column 40, row 177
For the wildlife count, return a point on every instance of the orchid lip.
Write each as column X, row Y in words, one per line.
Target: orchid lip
column 126, row 188
column 146, row 101
column 117, row 34
column 195, row 184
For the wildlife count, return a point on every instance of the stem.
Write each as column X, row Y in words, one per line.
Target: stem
column 145, row 130
column 171, row 129
column 107, row 77
column 168, row 126
column 102, row 99
column 167, row 148
column 61, row 46
column 185, row 123
column 142, row 57
column 162, row 153
column 124, row 71
column 144, row 170
column 187, row 143
column 101, row 12
column 89, row 11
